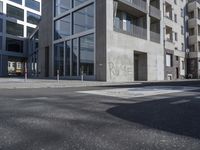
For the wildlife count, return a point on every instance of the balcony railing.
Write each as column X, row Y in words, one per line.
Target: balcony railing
column 131, row 29
column 155, row 37
column 139, row 4
column 155, row 12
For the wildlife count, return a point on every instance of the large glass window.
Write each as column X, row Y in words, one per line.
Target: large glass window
column 62, row 28
column 62, row 6
column 87, row 54
column 59, row 58
column 1, row 7
column 78, row 2
column 14, row 28
column 17, row 1
column 29, row 31
column 33, row 4
column 74, row 57
column 33, row 18
column 15, row 12
column 14, row 45
column 83, row 19
column 1, row 25
column 67, row 58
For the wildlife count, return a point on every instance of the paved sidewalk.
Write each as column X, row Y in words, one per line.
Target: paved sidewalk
column 17, row 83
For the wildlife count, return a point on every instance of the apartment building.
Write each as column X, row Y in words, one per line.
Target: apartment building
column 18, row 20
column 194, row 38
column 103, row 40
column 175, row 41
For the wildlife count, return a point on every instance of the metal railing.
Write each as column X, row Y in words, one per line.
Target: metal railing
column 139, row 4
column 154, row 37
column 131, row 29
column 155, row 12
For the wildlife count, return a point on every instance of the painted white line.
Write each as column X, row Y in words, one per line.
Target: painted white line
column 139, row 92
column 34, row 98
column 180, row 102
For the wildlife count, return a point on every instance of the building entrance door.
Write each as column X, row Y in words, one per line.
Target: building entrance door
column 140, row 66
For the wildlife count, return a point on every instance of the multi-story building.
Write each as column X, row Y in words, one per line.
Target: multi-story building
column 175, row 43
column 105, row 40
column 194, row 38
column 18, row 19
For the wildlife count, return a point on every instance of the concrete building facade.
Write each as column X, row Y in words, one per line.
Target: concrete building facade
column 115, row 40
column 18, row 20
column 104, row 40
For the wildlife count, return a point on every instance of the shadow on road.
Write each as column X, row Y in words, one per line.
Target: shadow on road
column 179, row 115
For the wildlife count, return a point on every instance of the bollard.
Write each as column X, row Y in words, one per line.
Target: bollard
column 82, row 75
column 58, row 76
column 26, row 74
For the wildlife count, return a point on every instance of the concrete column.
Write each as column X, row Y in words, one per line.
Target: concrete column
column 148, row 21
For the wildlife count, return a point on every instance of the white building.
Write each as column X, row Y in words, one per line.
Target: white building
column 18, row 20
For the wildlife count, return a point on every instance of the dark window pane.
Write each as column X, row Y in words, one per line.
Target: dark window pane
column 15, row 12
column 74, row 57
column 33, row 18
column 32, row 4
column 87, row 54
column 1, row 42
column 61, row 6
column 30, row 31
column 1, row 25
column 67, row 58
column 14, row 45
column 59, row 59
column 78, row 2
column 84, row 19
column 62, row 28
column 17, row 1
column 14, row 28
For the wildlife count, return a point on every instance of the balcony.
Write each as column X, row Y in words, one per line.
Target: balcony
column 132, row 30
column 155, row 12
column 154, row 37
column 138, row 4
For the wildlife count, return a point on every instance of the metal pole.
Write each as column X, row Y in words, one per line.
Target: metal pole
column 26, row 75
column 82, row 75
column 58, row 76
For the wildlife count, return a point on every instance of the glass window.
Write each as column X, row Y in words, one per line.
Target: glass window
column 33, row 18
column 62, row 28
column 1, row 42
column 168, row 60
column 87, row 55
column 78, row 2
column 15, row 12
column 83, row 19
column 59, row 58
column 67, row 58
column 14, row 28
column 74, row 57
column 1, row 7
column 17, row 1
column 62, row 6
column 14, row 45
column 32, row 4
column 1, row 25
column 29, row 31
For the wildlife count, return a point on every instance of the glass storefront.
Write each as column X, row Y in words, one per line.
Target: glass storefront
column 76, row 54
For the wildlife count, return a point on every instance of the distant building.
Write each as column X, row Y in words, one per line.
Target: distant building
column 18, row 20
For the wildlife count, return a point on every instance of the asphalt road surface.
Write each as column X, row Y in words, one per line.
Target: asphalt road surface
column 167, row 118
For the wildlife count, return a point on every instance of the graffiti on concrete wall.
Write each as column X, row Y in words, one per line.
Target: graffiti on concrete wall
column 120, row 68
